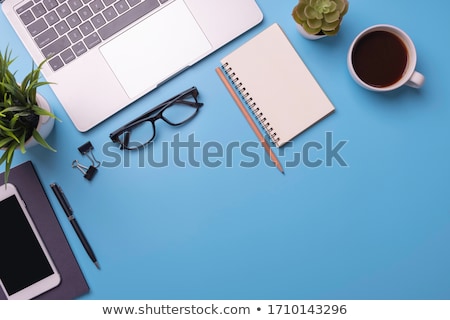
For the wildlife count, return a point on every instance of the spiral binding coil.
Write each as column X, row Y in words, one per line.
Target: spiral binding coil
column 246, row 96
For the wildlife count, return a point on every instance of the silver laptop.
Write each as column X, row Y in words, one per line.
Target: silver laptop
column 105, row 54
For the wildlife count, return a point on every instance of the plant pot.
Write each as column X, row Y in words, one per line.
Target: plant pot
column 45, row 124
column 308, row 35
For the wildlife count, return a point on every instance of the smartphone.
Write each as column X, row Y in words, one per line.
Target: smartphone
column 26, row 268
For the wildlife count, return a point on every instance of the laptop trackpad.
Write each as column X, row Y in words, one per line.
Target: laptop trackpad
column 156, row 49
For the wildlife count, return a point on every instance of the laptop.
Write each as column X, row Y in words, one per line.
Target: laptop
column 105, row 54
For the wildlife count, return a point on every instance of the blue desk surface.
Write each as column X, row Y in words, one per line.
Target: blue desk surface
column 373, row 225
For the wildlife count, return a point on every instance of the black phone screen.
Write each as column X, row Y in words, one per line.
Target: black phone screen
column 22, row 260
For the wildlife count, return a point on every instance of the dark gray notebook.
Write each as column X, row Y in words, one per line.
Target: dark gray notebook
column 73, row 284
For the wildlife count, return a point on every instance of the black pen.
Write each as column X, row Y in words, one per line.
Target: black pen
column 69, row 213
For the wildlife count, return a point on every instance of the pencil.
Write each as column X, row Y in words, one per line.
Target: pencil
column 249, row 120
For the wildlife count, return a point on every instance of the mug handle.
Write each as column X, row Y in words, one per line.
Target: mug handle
column 416, row 81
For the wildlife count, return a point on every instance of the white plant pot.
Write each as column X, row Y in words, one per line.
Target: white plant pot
column 45, row 124
column 308, row 35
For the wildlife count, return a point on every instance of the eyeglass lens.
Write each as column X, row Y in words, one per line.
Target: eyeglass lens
column 174, row 114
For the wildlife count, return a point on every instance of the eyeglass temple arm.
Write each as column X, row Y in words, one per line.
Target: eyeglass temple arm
column 190, row 103
column 178, row 98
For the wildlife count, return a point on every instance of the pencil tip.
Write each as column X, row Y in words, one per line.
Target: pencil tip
column 97, row 265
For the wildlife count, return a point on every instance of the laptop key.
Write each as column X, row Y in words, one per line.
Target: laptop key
column 98, row 21
column 110, row 13
column 85, row 13
column 39, row 10
column 51, row 18
column 108, row 2
column 46, row 37
column 37, row 27
column 67, row 56
column 62, row 27
column 86, row 28
column 50, row 4
column 92, row 40
column 73, row 20
column 56, row 63
column 79, row 48
column 75, row 4
column 27, row 17
column 121, row 6
column 97, row 6
column 63, row 10
column 128, row 18
column 132, row 3
column 56, row 47
column 26, row 6
column 75, row 35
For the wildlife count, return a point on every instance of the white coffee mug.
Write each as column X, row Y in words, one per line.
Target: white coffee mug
column 409, row 77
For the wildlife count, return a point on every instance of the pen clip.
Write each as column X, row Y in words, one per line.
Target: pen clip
column 59, row 193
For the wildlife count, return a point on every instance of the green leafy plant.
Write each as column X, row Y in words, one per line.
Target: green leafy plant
column 19, row 111
column 320, row 16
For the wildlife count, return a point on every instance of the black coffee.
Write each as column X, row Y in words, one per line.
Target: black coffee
column 380, row 58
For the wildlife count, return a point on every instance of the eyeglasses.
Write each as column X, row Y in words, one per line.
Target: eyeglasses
column 175, row 111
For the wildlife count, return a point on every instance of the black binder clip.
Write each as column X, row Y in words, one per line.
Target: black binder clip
column 88, row 172
column 86, row 149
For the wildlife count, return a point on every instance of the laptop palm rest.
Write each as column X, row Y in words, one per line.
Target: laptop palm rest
column 155, row 49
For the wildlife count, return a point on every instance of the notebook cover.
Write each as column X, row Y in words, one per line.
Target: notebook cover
column 287, row 98
column 73, row 284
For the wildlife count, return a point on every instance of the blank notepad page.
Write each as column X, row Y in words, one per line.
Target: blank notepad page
column 277, row 86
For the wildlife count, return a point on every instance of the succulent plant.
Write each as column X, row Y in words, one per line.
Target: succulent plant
column 320, row 16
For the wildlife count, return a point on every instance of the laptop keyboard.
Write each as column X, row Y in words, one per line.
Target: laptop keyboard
column 66, row 29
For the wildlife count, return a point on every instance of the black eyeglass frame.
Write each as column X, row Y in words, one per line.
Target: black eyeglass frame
column 151, row 117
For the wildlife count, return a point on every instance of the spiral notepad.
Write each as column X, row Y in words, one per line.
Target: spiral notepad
column 276, row 85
